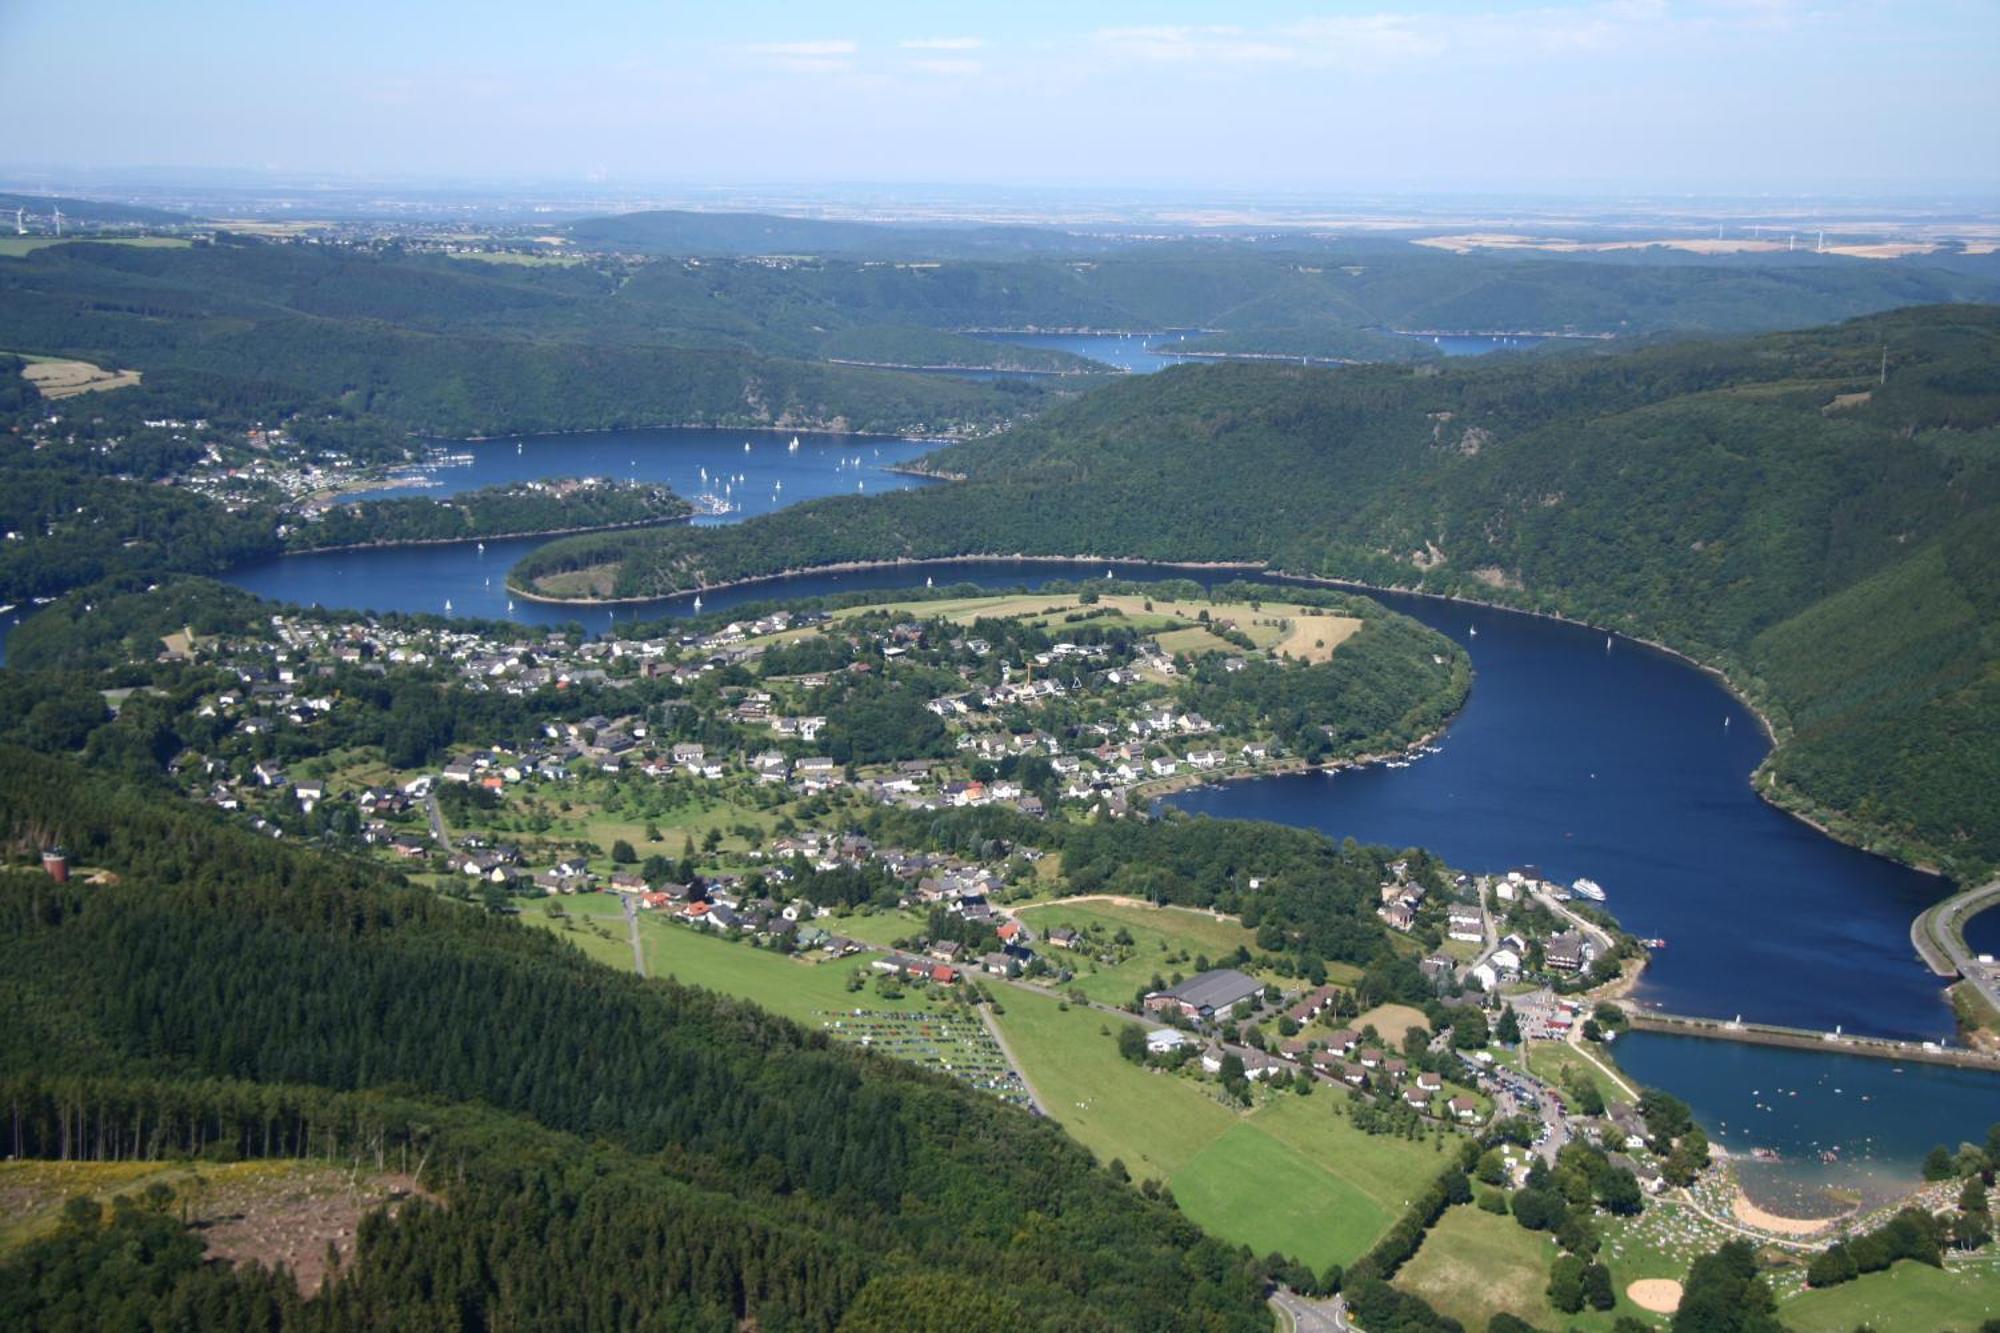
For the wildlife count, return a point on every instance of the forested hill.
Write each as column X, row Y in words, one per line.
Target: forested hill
column 1822, row 529
column 605, row 1152
column 451, row 348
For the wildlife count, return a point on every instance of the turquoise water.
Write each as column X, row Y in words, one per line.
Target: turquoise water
column 1876, row 1117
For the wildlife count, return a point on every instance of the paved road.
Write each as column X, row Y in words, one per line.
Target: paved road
column 1304, row 1316
column 436, row 817
column 1597, row 933
column 632, row 926
column 1941, row 924
column 1000, row 1040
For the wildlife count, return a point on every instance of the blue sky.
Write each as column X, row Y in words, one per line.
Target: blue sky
column 1452, row 95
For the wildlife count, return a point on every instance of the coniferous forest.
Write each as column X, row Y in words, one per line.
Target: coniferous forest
column 606, row 1152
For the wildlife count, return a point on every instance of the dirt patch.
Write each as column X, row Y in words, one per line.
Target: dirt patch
column 1660, row 1295
column 66, row 379
column 268, row 1211
column 293, row 1223
column 1495, row 577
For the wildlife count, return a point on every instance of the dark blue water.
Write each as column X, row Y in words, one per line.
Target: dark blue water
column 1628, row 766
column 1877, row 1117
column 1982, row 932
column 1476, row 344
column 420, row 578
column 693, row 461
column 1127, row 351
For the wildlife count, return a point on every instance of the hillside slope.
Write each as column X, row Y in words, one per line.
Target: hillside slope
column 1714, row 495
column 606, row 1152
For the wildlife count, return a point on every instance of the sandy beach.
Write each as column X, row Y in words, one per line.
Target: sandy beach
column 1750, row 1215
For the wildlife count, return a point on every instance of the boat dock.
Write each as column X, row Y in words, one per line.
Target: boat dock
column 1804, row 1039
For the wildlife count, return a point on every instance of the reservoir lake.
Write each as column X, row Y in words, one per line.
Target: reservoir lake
column 1577, row 754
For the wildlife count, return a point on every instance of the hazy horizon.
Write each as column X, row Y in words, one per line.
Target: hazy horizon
column 1552, row 98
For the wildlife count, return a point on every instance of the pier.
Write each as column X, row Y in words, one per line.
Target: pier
column 1804, row 1039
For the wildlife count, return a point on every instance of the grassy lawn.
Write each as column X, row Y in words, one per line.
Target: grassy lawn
column 1184, row 935
column 1909, row 1295
column 1194, row 641
column 1260, row 1191
column 1475, row 1264
column 1550, row 1060
column 795, row 987
column 879, row 928
column 1291, row 1175
column 1155, row 1122
column 1390, row 1171
column 593, row 922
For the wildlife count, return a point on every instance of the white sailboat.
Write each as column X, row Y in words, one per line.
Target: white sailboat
column 447, row 606
column 793, row 447
column 1474, row 631
column 927, row 580
column 482, row 548
column 510, row 606
column 697, row 601
column 746, row 446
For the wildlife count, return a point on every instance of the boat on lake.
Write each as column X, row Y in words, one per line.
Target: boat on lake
column 1587, row 888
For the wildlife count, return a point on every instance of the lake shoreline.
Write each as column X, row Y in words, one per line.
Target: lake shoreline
column 854, row 566
column 487, row 537
column 907, row 437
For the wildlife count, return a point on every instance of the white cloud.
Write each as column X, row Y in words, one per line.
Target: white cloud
column 833, row 55
column 943, row 43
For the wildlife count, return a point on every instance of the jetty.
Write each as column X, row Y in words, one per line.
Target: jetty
column 1805, row 1039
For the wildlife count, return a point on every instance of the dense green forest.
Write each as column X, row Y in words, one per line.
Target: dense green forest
column 907, row 346
column 1815, row 513
column 456, row 347
column 77, row 529
column 609, row 1151
column 491, row 511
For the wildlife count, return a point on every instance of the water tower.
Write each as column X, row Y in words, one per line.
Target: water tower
column 56, row 862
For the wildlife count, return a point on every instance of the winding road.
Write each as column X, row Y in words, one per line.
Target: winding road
column 1940, row 940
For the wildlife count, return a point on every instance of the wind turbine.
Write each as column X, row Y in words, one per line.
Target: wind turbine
column 58, row 219
column 20, row 222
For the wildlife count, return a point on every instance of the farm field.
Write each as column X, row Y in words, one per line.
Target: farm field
column 58, row 379
column 13, row 247
column 1475, row 1264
